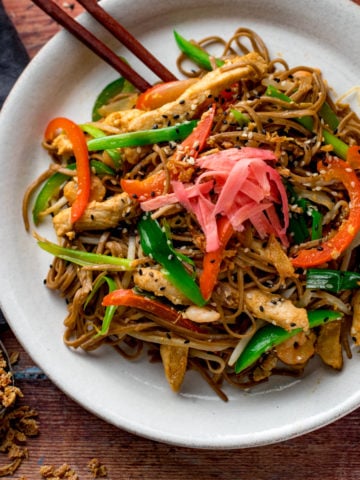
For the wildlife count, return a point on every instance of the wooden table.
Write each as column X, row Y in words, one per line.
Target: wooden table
column 69, row 434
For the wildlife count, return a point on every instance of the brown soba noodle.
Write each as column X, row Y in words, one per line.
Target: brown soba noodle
column 256, row 263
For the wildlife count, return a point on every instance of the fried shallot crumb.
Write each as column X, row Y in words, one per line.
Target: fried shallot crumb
column 97, row 469
column 57, row 473
column 16, row 423
column 16, row 426
column 8, row 392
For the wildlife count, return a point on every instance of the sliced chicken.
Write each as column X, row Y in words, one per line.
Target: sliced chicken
column 154, row 281
column 275, row 255
column 98, row 215
column 62, row 145
column 328, row 344
column 174, row 359
column 298, row 349
column 251, row 65
column 97, row 190
column 185, row 107
column 355, row 326
column 275, row 309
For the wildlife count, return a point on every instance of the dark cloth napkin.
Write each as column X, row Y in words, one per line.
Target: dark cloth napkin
column 13, row 56
column 13, row 59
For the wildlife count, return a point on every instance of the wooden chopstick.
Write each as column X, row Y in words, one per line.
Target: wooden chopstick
column 100, row 49
column 127, row 39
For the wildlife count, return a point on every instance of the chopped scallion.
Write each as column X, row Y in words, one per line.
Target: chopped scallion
column 83, row 258
column 332, row 280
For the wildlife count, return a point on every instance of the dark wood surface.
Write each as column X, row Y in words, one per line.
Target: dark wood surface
column 69, row 434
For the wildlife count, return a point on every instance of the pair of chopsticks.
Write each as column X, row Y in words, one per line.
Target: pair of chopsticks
column 100, row 49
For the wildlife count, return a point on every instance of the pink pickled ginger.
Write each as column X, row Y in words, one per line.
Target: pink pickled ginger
column 236, row 183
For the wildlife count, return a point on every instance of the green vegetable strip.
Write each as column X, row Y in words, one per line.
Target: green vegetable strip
column 273, row 92
column 329, row 116
column 85, row 259
column 154, row 243
column 316, row 227
column 269, row 336
column 112, row 89
column 49, row 189
column 143, row 137
column 53, row 184
column 332, row 280
column 128, row 87
column 110, row 310
column 98, row 133
column 183, row 258
column 101, row 168
column 196, row 53
column 340, row 148
column 240, row 117
column 298, row 226
column 297, row 222
column 95, row 132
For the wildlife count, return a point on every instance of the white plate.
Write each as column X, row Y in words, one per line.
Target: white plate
column 63, row 80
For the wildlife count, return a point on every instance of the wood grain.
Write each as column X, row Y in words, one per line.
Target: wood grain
column 69, row 434
column 35, row 28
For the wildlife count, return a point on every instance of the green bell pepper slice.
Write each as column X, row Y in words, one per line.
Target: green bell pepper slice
column 53, row 184
column 269, row 336
column 154, row 242
column 112, row 89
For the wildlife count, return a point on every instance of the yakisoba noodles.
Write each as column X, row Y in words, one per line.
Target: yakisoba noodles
column 223, row 231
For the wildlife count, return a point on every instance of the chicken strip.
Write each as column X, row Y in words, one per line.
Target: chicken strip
column 154, row 281
column 97, row 216
column 275, row 309
column 185, row 107
column 61, row 145
column 251, row 65
column 274, row 254
column 174, row 359
column 355, row 326
column 328, row 344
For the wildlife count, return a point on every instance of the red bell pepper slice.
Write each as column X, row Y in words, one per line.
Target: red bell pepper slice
column 162, row 93
column 212, row 260
column 353, row 156
column 144, row 189
column 129, row 298
column 192, row 145
column 196, row 141
column 78, row 141
column 331, row 249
